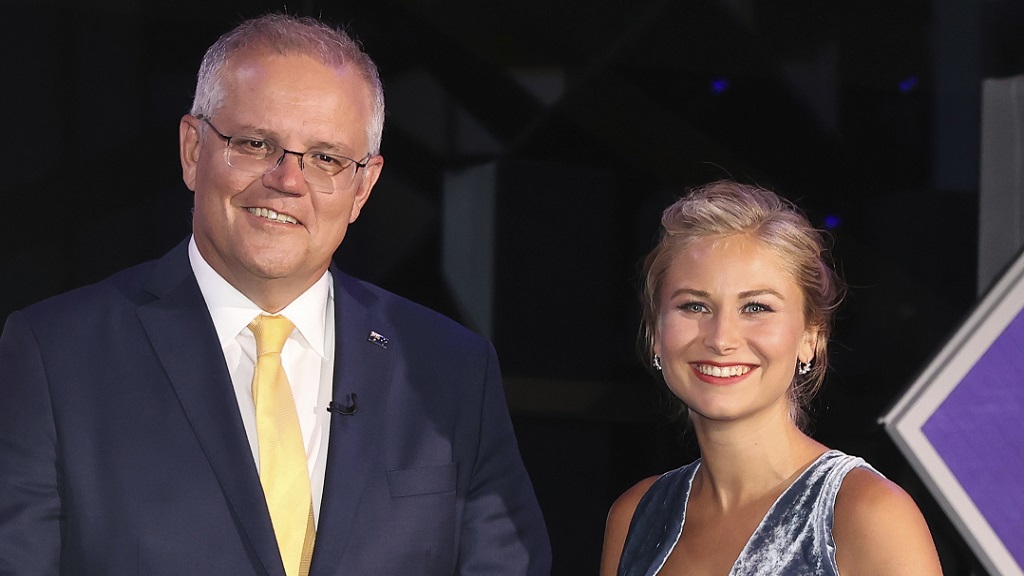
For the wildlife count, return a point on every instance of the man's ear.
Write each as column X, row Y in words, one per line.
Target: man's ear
column 369, row 179
column 188, row 149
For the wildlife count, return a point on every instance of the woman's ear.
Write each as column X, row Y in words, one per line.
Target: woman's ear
column 808, row 345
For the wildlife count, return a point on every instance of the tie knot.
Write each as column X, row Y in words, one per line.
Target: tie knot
column 271, row 333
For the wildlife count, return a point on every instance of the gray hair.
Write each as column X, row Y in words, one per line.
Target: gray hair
column 288, row 35
column 726, row 208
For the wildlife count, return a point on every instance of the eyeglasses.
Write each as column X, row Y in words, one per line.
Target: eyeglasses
column 324, row 172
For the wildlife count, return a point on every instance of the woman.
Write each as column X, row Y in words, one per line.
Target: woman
column 738, row 302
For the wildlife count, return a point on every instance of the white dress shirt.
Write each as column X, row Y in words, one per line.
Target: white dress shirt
column 307, row 357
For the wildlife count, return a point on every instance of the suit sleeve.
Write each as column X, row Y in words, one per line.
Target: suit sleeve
column 503, row 528
column 30, row 504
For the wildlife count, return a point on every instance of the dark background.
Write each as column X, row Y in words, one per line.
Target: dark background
column 590, row 118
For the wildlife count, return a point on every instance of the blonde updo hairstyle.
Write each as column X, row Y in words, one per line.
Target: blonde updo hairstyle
column 727, row 208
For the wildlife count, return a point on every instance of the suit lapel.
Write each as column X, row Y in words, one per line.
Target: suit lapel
column 362, row 366
column 182, row 334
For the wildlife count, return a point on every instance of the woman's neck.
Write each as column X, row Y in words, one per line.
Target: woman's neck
column 744, row 461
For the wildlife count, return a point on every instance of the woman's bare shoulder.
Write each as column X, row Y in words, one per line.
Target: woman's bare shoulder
column 879, row 530
column 617, row 525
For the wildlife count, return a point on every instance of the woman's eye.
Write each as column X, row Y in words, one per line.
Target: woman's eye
column 694, row 307
column 756, row 307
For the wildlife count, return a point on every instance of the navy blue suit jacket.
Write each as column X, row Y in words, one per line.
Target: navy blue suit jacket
column 122, row 450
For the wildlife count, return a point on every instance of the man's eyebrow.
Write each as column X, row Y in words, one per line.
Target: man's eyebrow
column 248, row 131
column 245, row 130
column 332, row 147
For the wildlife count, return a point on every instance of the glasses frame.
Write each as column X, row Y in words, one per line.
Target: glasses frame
column 284, row 152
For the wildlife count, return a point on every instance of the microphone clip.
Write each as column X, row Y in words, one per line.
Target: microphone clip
column 346, row 409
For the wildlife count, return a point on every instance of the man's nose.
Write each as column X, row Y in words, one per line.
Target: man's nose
column 287, row 175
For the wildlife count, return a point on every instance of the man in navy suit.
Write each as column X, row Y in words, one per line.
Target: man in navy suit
column 128, row 437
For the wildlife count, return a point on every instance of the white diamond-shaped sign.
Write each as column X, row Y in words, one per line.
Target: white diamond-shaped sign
column 961, row 425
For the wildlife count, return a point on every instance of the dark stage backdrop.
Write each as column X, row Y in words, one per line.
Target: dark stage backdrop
column 530, row 148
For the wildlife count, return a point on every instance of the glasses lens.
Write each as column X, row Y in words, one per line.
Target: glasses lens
column 250, row 161
column 338, row 170
column 318, row 179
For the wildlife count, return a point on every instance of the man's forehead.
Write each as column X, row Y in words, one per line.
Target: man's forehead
column 294, row 94
column 256, row 73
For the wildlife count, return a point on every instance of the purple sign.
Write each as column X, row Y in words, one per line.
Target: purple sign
column 961, row 425
column 979, row 432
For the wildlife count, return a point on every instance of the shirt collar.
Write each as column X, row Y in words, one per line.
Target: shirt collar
column 232, row 311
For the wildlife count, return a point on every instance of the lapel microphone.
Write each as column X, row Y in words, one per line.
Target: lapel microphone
column 346, row 409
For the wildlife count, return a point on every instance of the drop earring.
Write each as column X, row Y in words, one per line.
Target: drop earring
column 656, row 362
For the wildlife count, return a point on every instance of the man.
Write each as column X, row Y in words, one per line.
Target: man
column 134, row 413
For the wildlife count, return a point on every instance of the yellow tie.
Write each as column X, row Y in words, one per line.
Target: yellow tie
column 283, row 470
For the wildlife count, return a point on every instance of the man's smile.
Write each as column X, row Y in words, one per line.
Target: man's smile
column 273, row 215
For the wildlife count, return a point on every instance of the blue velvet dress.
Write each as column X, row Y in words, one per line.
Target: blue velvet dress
column 793, row 539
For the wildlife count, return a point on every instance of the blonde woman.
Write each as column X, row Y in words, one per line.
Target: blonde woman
column 738, row 302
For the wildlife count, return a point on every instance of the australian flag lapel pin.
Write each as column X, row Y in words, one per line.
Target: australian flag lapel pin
column 378, row 339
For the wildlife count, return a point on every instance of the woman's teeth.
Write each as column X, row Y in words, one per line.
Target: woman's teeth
column 722, row 371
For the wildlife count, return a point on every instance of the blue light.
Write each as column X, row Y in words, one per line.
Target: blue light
column 909, row 84
column 719, row 85
column 832, row 222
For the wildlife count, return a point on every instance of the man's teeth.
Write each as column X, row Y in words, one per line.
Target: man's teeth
column 722, row 371
column 271, row 215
